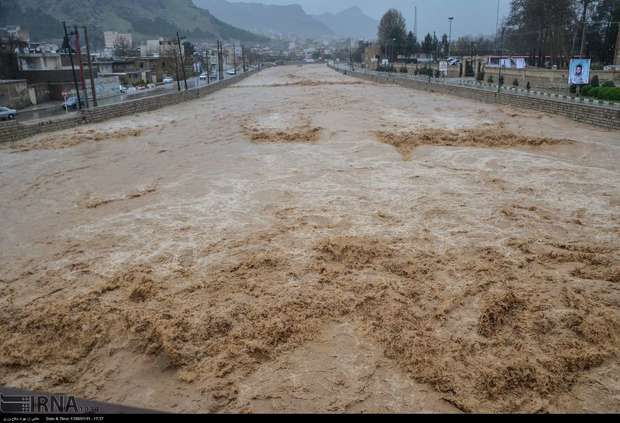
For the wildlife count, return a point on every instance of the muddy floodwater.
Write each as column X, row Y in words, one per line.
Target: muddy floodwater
column 304, row 241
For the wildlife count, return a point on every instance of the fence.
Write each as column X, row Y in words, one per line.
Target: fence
column 594, row 112
column 13, row 130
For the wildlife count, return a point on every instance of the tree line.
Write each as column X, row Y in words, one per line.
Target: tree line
column 548, row 32
column 394, row 40
column 551, row 32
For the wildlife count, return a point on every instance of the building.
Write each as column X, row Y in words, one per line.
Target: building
column 170, row 48
column 111, row 39
column 49, row 74
column 15, row 32
column 131, row 70
column 371, row 56
column 14, row 93
column 13, row 40
column 150, row 48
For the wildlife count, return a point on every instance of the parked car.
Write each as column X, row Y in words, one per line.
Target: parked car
column 168, row 80
column 72, row 103
column 231, row 72
column 203, row 76
column 6, row 113
column 123, row 89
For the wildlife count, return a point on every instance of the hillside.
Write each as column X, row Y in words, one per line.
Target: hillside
column 271, row 20
column 144, row 18
column 351, row 22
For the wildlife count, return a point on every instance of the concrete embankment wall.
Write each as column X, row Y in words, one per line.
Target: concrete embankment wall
column 605, row 117
column 15, row 130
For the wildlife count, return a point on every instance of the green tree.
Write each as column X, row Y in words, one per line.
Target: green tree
column 603, row 32
column 435, row 46
column 412, row 46
column 444, row 45
column 542, row 29
column 427, row 44
column 392, row 33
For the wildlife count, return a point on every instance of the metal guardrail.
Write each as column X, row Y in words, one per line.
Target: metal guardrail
column 483, row 86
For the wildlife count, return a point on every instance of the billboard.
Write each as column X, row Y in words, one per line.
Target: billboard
column 579, row 72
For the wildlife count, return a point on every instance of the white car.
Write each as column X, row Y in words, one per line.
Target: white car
column 203, row 76
column 231, row 72
column 6, row 113
column 168, row 80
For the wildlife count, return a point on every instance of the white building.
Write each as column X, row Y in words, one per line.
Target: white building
column 112, row 38
column 152, row 47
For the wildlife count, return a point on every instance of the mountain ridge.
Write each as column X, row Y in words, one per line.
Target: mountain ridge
column 144, row 18
column 273, row 20
column 351, row 22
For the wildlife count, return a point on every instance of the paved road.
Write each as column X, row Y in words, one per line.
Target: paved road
column 54, row 108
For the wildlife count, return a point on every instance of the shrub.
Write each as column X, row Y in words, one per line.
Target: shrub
column 573, row 89
column 515, row 83
column 480, row 76
column 529, row 86
column 609, row 84
column 501, row 80
column 602, row 93
column 427, row 71
column 388, row 68
column 404, row 69
column 609, row 93
column 469, row 70
column 595, row 81
column 490, row 80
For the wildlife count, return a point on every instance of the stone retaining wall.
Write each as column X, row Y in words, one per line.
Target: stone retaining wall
column 15, row 130
column 591, row 114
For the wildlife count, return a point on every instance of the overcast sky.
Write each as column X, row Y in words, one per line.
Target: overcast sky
column 470, row 16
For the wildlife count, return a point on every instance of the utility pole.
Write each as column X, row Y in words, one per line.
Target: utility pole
column 208, row 67
column 350, row 55
column 220, row 61
column 415, row 21
column 90, row 68
column 245, row 69
column 75, row 80
column 181, row 57
column 79, row 54
column 497, row 29
column 176, row 68
column 451, row 18
column 235, row 57
column 584, row 21
column 501, row 53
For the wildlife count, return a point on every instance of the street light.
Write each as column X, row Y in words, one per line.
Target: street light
column 501, row 54
column 451, row 18
column 394, row 49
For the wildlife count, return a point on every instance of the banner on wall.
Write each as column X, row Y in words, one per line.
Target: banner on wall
column 579, row 72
